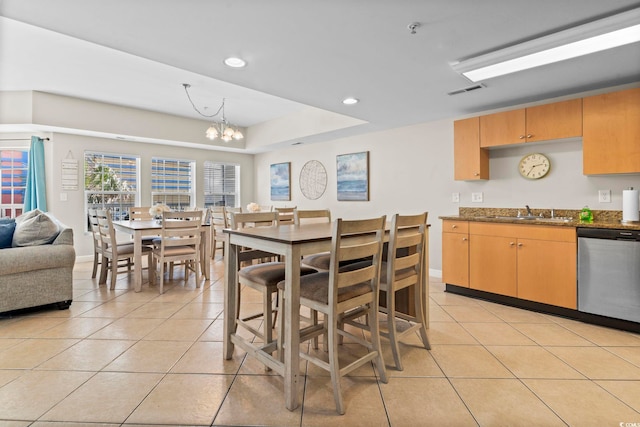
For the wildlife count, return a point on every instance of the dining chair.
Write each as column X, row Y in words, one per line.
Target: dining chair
column 112, row 252
column 404, row 268
column 218, row 222
column 266, row 208
column 179, row 241
column 337, row 293
column 319, row 261
column 97, row 241
column 263, row 277
column 285, row 215
column 139, row 213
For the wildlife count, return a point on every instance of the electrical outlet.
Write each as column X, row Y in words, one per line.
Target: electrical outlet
column 604, row 196
column 455, row 197
column 476, row 197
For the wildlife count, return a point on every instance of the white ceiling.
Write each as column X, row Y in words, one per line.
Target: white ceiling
column 299, row 53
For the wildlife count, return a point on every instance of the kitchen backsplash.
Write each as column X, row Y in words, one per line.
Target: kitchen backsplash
column 568, row 213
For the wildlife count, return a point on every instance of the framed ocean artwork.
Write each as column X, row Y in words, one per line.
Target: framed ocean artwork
column 353, row 176
column 281, row 181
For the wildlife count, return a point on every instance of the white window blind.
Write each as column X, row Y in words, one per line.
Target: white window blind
column 172, row 183
column 221, row 184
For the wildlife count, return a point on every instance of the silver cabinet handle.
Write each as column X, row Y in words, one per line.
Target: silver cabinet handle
column 454, row 226
column 519, row 245
column 529, row 136
column 464, row 239
column 521, row 137
column 511, row 243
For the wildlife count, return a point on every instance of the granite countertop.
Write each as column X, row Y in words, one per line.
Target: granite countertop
column 601, row 219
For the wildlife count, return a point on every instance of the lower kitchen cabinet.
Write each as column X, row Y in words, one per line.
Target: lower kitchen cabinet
column 455, row 253
column 530, row 262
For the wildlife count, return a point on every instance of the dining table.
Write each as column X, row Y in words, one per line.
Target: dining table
column 292, row 242
column 141, row 228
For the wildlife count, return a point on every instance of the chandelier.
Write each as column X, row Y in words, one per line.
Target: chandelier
column 222, row 129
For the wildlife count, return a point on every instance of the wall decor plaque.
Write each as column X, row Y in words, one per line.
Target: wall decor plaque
column 313, row 180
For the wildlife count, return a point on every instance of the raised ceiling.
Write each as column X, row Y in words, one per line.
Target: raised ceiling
column 299, row 53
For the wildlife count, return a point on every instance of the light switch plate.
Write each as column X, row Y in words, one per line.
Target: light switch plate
column 604, row 196
column 455, row 197
column 63, row 197
column 476, row 197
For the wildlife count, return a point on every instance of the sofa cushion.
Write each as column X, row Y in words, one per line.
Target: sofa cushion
column 38, row 229
column 7, row 227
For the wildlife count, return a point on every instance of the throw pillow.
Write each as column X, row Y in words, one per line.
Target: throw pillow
column 28, row 215
column 34, row 231
column 7, row 226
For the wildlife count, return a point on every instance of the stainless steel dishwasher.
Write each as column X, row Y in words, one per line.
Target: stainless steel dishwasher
column 609, row 272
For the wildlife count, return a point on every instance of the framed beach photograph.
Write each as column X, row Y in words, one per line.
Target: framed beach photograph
column 353, row 176
column 281, row 181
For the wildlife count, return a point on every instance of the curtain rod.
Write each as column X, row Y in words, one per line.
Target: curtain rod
column 21, row 139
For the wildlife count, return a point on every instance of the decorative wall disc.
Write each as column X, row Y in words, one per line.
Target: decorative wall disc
column 313, row 179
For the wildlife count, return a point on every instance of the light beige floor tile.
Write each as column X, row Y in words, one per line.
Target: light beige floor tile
column 28, row 327
column 102, row 294
column 447, row 298
column 6, row 343
column 155, row 310
column 57, row 424
column 472, row 361
column 437, row 314
column 76, row 328
column 347, row 353
column 184, row 399
column 199, row 310
column 179, row 330
column 6, row 376
column 17, row 423
column 178, row 294
column 108, row 397
column 87, row 355
column 496, row 334
column 112, row 309
column 128, row 329
column 31, row 353
column 597, row 363
column 74, row 310
column 208, row 358
column 551, row 334
column 34, row 393
column 258, row 400
column 149, row 356
column 533, row 362
column 514, row 315
column 425, row 402
column 582, row 402
column 630, row 354
column 416, row 361
column 449, row 333
column 626, row 391
column 504, row 402
column 603, row 336
column 215, row 331
column 463, row 313
column 361, row 397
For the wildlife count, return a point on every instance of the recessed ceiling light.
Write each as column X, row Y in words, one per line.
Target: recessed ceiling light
column 234, row 62
column 350, row 101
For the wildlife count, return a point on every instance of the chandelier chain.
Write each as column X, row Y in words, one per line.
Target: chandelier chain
column 186, row 87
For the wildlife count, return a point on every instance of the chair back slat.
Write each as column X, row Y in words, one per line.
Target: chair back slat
column 254, row 219
column 311, row 216
column 140, row 213
column 285, row 215
column 406, row 246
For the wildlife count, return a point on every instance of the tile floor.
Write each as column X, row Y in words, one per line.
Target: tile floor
column 125, row 358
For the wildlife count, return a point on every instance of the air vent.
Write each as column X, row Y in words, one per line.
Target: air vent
column 466, row 89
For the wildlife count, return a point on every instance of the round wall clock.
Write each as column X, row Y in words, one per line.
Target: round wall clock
column 534, row 166
column 313, row 179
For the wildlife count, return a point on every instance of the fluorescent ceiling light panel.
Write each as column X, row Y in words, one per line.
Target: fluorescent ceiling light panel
column 608, row 33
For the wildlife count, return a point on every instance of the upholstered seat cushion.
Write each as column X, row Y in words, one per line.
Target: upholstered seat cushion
column 316, row 287
column 321, row 261
column 268, row 273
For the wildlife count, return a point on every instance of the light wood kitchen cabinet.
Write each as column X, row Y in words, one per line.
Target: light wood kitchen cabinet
column 455, row 253
column 531, row 262
column 611, row 141
column 546, row 122
column 470, row 161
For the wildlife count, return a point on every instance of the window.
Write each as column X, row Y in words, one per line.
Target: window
column 13, row 172
column 172, row 183
column 221, row 184
column 111, row 182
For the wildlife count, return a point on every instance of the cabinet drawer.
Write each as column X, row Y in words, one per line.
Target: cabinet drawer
column 525, row 231
column 451, row 226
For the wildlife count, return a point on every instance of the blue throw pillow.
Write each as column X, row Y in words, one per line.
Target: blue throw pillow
column 7, row 227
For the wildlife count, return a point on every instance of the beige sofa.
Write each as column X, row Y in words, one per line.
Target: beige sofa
column 32, row 276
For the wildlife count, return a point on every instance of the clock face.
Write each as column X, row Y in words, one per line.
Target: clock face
column 534, row 166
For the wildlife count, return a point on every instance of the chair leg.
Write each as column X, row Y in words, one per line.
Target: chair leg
column 95, row 265
column 420, row 315
column 151, row 268
column 375, row 340
column 104, row 267
column 162, row 267
column 114, row 273
column 391, row 325
column 334, row 367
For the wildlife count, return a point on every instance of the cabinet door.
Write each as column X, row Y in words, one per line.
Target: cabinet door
column 611, row 141
column 470, row 161
column 492, row 264
column 504, row 128
column 547, row 272
column 554, row 121
column 455, row 259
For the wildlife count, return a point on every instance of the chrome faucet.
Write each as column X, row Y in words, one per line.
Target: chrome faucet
column 528, row 210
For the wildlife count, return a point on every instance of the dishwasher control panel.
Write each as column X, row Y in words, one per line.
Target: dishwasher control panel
column 609, row 234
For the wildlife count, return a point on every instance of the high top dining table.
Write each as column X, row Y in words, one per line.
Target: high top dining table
column 140, row 228
column 291, row 241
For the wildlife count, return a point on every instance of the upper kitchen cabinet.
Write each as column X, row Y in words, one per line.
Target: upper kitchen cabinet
column 557, row 120
column 470, row 161
column 611, row 141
